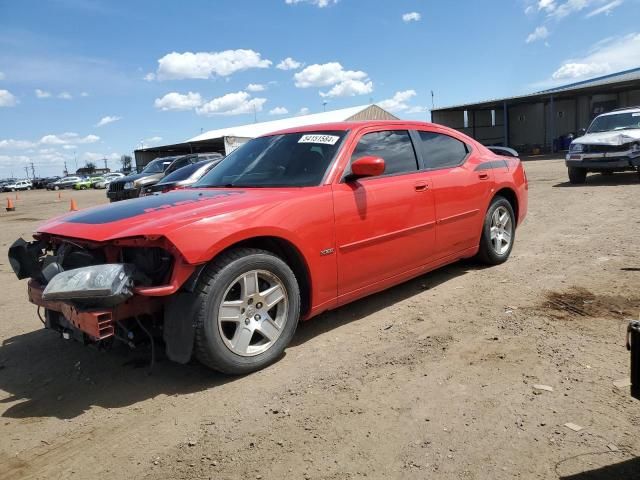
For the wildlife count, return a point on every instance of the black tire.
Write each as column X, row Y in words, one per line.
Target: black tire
column 487, row 253
column 577, row 175
column 210, row 348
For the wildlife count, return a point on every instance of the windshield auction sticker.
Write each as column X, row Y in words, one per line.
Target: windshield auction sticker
column 324, row 139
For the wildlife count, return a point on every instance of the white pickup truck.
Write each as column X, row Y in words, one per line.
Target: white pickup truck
column 610, row 144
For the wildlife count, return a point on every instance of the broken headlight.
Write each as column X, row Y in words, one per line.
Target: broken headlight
column 104, row 285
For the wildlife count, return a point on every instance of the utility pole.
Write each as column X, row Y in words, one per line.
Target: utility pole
column 66, row 171
column 324, row 105
column 26, row 169
column 33, row 171
column 75, row 160
column 105, row 163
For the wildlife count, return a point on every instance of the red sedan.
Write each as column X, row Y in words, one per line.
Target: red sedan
column 288, row 226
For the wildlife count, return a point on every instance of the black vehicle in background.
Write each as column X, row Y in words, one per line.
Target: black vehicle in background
column 132, row 185
column 182, row 178
column 40, row 183
column 633, row 344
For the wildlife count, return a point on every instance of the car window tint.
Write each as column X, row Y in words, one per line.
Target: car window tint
column 393, row 146
column 441, row 151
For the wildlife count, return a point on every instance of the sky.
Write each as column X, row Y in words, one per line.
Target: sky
column 85, row 80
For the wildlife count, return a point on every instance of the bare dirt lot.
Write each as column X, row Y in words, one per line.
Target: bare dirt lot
column 432, row 379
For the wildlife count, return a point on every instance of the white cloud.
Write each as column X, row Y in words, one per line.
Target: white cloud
column 614, row 54
column 278, row 111
column 178, row 101
column 606, row 9
column 303, row 111
column 529, row 10
column 7, row 99
column 317, row 3
column 349, row 88
column 411, row 17
column 398, row 102
column 149, row 77
column 256, row 87
column 208, row 64
column 540, row 33
column 84, row 94
column 324, row 75
column 152, row 140
column 289, row 64
column 42, row 93
column 2, row 76
column 65, row 96
column 559, row 9
column 70, row 138
column 232, row 104
column 579, row 70
column 547, row 5
column 107, row 120
column 11, row 144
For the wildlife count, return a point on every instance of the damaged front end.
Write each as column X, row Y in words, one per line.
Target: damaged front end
column 104, row 292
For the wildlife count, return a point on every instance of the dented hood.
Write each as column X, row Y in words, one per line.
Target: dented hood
column 160, row 215
column 615, row 138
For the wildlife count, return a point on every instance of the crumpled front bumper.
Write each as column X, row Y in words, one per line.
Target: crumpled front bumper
column 604, row 161
column 97, row 323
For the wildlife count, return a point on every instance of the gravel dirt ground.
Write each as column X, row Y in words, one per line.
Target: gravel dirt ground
column 431, row 379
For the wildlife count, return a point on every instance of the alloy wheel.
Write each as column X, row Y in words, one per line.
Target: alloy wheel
column 253, row 312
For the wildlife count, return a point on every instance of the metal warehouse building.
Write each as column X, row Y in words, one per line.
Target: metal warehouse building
column 542, row 121
column 226, row 140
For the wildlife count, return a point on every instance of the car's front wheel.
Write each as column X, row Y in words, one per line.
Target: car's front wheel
column 498, row 232
column 249, row 310
column 577, row 175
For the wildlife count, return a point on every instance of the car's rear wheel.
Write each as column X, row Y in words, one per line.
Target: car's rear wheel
column 498, row 232
column 577, row 175
column 249, row 310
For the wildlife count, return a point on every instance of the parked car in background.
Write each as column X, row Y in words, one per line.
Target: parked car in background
column 17, row 185
column 131, row 185
column 107, row 179
column 87, row 183
column 39, row 183
column 62, row 183
column 610, row 144
column 288, row 226
column 6, row 181
column 182, row 178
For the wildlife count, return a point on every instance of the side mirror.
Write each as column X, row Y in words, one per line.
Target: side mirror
column 367, row 167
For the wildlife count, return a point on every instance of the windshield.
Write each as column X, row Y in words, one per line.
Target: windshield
column 288, row 160
column 618, row 121
column 157, row 165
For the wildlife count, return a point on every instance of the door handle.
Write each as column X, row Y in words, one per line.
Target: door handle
column 420, row 187
column 483, row 176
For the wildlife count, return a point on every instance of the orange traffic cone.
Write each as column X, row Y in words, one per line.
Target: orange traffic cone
column 73, row 207
column 10, row 206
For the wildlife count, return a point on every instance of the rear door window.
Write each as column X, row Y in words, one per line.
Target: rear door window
column 441, row 151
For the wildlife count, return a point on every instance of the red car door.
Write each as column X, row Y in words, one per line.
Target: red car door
column 385, row 224
column 461, row 189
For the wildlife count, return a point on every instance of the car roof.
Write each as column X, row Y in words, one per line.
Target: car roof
column 621, row 110
column 337, row 126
